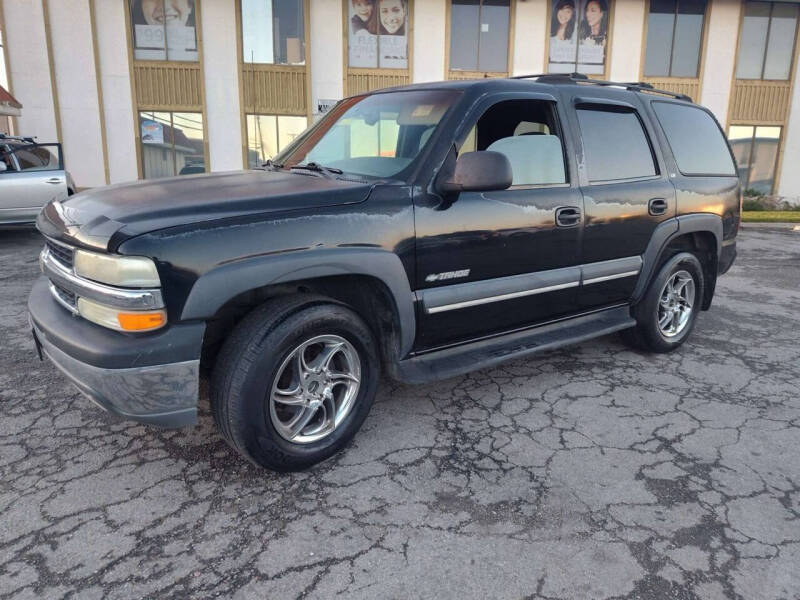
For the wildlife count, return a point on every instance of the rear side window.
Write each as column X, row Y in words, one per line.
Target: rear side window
column 614, row 144
column 695, row 139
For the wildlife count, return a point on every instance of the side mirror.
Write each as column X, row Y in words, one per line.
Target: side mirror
column 478, row 172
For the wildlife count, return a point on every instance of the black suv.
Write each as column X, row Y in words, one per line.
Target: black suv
column 423, row 231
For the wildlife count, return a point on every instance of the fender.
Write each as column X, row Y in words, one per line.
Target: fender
column 224, row 282
column 665, row 233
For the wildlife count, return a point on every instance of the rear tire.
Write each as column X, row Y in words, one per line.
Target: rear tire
column 294, row 382
column 666, row 314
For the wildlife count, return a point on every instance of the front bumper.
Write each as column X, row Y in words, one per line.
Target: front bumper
column 147, row 378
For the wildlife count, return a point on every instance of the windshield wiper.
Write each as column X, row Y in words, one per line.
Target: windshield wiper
column 318, row 168
column 271, row 165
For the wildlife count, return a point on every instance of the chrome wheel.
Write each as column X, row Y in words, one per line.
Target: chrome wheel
column 676, row 304
column 315, row 389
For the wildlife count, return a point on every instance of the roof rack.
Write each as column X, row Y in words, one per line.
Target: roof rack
column 576, row 78
column 5, row 136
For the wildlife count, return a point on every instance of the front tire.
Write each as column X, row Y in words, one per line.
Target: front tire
column 294, row 382
column 667, row 313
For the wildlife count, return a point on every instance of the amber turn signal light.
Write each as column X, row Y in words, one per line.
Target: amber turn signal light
column 140, row 321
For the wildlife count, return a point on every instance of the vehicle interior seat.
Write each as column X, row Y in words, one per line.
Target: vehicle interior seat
column 535, row 159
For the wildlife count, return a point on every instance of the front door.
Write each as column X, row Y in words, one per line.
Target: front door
column 33, row 176
column 489, row 262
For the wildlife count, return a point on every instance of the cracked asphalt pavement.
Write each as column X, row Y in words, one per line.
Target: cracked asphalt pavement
column 590, row 472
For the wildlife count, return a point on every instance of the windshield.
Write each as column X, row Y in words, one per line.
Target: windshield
column 378, row 135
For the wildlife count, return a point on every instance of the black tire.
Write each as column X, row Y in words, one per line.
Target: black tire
column 248, row 365
column 647, row 335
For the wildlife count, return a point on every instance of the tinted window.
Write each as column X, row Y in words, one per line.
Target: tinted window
column 35, row 158
column 614, row 144
column 696, row 140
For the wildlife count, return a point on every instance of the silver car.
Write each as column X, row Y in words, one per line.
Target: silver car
column 31, row 174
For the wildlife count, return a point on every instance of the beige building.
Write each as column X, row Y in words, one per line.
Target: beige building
column 150, row 88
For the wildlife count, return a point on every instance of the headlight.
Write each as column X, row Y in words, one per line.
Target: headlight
column 122, row 271
column 114, row 318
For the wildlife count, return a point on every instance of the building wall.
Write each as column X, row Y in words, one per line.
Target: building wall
column 220, row 65
column 82, row 111
column 723, row 31
column 26, row 44
column 79, row 109
column 115, row 78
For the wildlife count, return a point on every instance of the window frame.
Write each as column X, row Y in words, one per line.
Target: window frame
column 610, row 105
column 172, row 112
column 778, row 153
column 277, row 132
column 701, row 59
column 612, row 5
column 792, row 56
column 166, row 60
column 304, row 5
column 449, row 70
column 408, row 69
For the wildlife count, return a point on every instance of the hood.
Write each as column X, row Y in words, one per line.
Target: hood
column 103, row 218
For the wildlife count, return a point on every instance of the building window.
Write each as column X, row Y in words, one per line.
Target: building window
column 479, row 31
column 756, row 152
column 674, row 38
column 378, row 34
column 172, row 144
column 273, row 32
column 766, row 44
column 578, row 36
column 269, row 134
column 164, row 29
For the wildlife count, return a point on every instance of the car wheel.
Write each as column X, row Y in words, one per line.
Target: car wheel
column 667, row 313
column 294, row 382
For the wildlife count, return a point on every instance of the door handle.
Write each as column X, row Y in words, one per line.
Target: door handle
column 568, row 216
column 53, row 180
column 657, row 206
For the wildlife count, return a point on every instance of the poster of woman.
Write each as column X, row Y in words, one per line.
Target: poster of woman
column 377, row 34
column 578, row 35
column 164, row 29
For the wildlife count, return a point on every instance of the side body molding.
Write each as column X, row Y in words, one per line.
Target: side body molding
column 668, row 230
column 219, row 285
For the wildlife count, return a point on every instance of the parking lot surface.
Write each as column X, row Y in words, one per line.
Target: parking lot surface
column 590, row 472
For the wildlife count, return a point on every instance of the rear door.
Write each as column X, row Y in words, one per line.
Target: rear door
column 34, row 175
column 626, row 192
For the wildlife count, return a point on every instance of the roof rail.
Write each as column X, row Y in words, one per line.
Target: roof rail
column 6, row 136
column 576, row 78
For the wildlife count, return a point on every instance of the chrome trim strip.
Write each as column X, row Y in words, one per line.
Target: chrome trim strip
column 610, row 277
column 117, row 297
column 60, row 300
column 488, row 299
column 57, row 243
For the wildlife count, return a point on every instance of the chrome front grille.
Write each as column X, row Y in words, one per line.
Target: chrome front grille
column 60, row 252
column 65, row 295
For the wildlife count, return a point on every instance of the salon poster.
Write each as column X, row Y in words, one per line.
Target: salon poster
column 377, row 34
column 164, row 30
column 578, row 36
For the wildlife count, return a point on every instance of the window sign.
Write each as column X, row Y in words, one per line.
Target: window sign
column 152, row 132
column 377, row 34
column 578, row 36
column 164, row 29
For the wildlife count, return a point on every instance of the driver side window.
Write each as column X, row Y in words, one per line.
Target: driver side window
column 527, row 132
